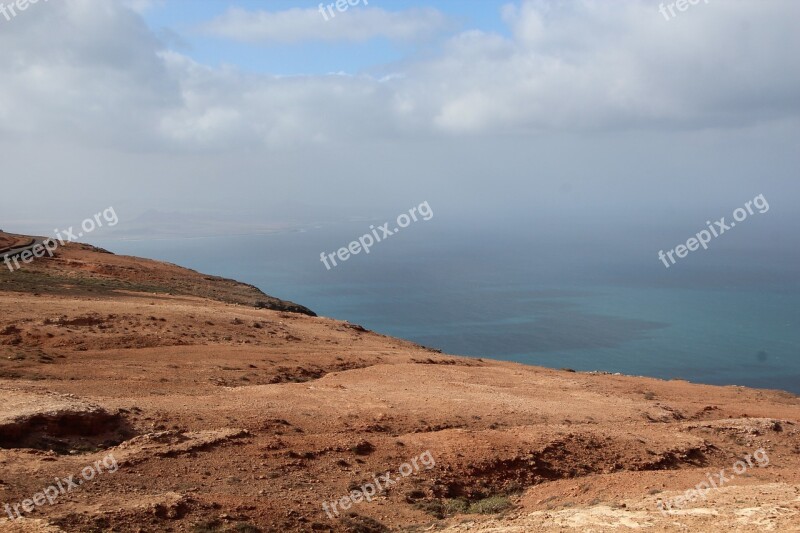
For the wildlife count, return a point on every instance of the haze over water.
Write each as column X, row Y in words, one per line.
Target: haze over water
column 564, row 299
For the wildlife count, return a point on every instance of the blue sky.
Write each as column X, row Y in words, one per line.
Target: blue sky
column 179, row 21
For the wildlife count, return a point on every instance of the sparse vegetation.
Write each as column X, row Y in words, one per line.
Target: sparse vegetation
column 452, row 506
column 215, row 526
column 490, row 505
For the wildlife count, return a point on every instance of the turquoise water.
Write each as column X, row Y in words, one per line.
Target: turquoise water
column 728, row 315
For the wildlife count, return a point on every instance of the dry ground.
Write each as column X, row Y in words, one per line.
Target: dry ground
column 8, row 241
column 225, row 417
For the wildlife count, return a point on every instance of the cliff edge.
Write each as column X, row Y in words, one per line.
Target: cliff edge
column 175, row 401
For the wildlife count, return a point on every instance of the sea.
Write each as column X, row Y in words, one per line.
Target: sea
column 586, row 295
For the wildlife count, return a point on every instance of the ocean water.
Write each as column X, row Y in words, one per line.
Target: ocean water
column 584, row 299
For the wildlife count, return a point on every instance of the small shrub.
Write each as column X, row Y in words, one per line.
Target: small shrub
column 452, row 507
column 207, row 527
column 243, row 527
column 490, row 505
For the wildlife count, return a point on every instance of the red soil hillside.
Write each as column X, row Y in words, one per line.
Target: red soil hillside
column 222, row 416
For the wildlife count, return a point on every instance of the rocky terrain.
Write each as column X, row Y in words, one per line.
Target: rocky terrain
column 228, row 410
column 8, row 241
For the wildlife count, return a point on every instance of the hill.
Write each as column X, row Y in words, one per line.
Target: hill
column 225, row 409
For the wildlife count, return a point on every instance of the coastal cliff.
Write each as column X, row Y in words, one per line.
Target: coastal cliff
column 229, row 410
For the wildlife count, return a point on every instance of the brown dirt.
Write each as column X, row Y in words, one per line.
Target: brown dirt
column 225, row 417
column 8, row 241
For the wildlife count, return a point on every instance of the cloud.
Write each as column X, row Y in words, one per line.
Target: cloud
column 223, row 108
column 142, row 6
column 82, row 70
column 357, row 24
column 588, row 65
column 92, row 72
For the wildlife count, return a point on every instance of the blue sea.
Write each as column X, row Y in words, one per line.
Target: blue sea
column 594, row 297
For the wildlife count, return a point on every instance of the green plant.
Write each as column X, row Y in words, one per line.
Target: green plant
column 490, row 505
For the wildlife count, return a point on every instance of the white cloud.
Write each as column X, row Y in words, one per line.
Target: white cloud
column 87, row 71
column 357, row 24
column 142, row 6
column 591, row 65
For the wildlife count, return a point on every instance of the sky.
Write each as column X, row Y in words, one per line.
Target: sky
column 271, row 112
